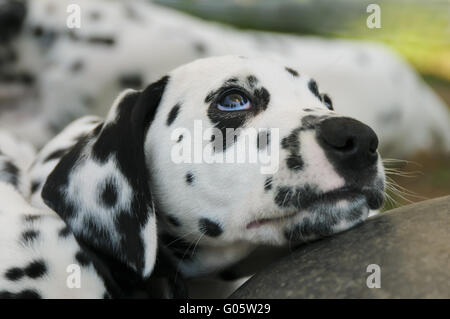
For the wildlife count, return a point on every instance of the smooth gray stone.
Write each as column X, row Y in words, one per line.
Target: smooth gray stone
column 411, row 245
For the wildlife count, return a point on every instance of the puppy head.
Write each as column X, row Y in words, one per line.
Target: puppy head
column 306, row 172
column 315, row 173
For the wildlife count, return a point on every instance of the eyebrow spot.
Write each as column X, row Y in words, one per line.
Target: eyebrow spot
column 291, row 71
column 173, row 114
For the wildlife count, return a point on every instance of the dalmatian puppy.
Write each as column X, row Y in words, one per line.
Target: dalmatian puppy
column 54, row 74
column 109, row 180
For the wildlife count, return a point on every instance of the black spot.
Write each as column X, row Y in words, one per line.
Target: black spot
column 173, row 114
column 263, row 139
column 303, row 197
column 173, row 220
column 31, row 218
column 12, row 173
column 36, row 269
column 64, row 232
column 308, row 110
column 301, row 231
column 94, row 15
column 209, row 227
column 21, row 77
column 327, row 101
column 76, row 66
column 35, row 186
column 180, row 138
column 29, row 236
column 24, row 294
column 25, row 78
column 109, row 193
column 37, row 31
column 252, row 81
column 133, row 81
column 294, row 162
column 56, row 155
column 200, row 47
column 14, row 274
column 312, row 85
column 291, row 71
column 268, row 184
column 6, row 294
column 189, row 178
column 102, row 41
column 320, row 226
column 284, row 196
column 28, row 294
column 291, row 142
column 261, row 98
column 82, row 259
column 73, row 35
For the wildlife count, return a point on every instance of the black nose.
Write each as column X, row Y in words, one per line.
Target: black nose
column 12, row 15
column 348, row 142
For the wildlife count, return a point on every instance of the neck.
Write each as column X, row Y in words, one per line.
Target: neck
column 193, row 259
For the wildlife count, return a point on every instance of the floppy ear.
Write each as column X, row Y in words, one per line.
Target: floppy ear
column 101, row 187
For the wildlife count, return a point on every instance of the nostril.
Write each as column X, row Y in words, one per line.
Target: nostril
column 348, row 145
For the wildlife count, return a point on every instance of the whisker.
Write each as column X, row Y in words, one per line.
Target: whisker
column 180, row 238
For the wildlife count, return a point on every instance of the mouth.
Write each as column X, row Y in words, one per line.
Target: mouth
column 262, row 221
column 373, row 198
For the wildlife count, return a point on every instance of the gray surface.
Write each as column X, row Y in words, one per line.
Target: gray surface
column 411, row 245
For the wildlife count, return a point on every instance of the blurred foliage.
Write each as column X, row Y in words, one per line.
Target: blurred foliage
column 419, row 30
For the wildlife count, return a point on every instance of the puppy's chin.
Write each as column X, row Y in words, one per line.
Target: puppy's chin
column 320, row 220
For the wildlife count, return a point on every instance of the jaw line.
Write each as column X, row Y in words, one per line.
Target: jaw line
column 330, row 198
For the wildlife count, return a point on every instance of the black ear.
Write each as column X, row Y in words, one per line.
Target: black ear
column 101, row 187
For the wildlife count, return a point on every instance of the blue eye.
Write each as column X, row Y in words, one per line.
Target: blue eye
column 234, row 101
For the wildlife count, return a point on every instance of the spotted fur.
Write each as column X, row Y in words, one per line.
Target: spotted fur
column 117, row 175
